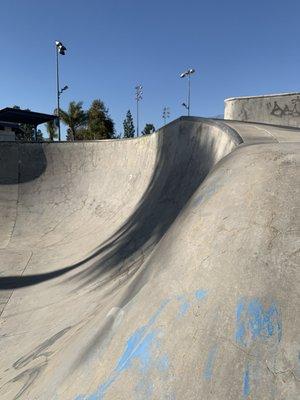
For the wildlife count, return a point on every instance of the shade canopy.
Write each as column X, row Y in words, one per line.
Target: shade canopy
column 24, row 116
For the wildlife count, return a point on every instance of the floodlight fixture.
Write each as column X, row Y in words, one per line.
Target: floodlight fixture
column 188, row 74
column 60, row 48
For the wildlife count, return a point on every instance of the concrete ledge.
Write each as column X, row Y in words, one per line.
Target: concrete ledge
column 276, row 109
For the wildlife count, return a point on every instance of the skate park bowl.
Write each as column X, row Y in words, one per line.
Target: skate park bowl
column 160, row 267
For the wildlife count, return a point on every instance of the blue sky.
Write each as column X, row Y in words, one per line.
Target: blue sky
column 237, row 48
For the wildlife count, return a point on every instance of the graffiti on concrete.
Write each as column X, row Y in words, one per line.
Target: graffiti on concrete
column 292, row 109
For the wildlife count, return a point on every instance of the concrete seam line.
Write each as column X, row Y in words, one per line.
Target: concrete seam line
column 12, row 291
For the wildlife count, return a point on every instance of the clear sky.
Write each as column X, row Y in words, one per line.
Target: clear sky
column 237, row 47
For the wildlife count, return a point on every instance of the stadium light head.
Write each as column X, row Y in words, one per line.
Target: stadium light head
column 187, row 72
column 60, row 48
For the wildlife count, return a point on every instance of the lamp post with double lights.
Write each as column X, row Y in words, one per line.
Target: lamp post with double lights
column 60, row 49
column 188, row 74
column 138, row 97
column 166, row 114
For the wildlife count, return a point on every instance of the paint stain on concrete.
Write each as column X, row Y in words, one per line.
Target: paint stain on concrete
column 246, row 382
column 184, row 306
column 140, row 352
column 200, row 294
column 256, row 324
column 254, row 321
column 209, row 365
column 138, row 348
column 163, row 363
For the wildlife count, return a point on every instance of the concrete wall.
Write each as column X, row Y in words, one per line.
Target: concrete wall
column 278, row 109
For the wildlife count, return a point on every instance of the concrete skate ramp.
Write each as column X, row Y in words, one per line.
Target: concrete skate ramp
column 162, row 267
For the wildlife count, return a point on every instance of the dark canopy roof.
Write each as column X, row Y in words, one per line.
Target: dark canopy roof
column 24, row 116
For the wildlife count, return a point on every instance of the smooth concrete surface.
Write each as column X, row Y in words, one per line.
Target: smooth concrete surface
column 277, row 109
column 163, row 267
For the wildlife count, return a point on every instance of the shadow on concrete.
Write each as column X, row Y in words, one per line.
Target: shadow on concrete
column 181, row 165
column 21, row 162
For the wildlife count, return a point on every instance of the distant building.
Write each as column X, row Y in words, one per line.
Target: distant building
column 8, row 131
column 12, row 119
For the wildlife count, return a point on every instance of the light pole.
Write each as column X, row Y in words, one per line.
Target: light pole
column 60, row 49
column 188, row 74
column 166, row 114
column 138, row 97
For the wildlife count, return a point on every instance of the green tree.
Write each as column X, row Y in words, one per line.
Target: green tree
column 128, row 126
column 99, row 123
column 149, row 128
column 51, row 127
column 74, row 118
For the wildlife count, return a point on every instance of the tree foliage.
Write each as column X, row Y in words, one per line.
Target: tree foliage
column 51, row 127
column 99, row 123
column 149, row 128
column 93, row 124
column 128, row 126
column 75, row 117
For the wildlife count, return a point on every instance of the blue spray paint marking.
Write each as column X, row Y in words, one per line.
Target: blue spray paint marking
column 240, row 328
column 184, row 306
column 208, row 370
column 254, row 322
column 138, row 346
column 163, row 363
column 209, row 191
column 200, row 294
column 246, row 382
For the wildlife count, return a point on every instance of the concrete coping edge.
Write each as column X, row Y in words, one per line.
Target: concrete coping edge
column 262, row 96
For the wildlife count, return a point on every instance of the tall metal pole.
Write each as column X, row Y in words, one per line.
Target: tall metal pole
column 166, row 114
column 58, row 94
column 189, row 94
column 185, row 74
column 138, row 97
column 137, row 115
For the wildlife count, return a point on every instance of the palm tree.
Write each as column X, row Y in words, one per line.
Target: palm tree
column 52, row 129
column 74, row 118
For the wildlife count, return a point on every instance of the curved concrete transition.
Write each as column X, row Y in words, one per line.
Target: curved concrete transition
column 162, row 267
